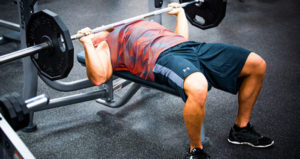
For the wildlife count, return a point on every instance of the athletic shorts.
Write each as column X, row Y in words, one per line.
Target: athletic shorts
column 221, row 64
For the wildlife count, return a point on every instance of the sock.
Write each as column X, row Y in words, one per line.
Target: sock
column 237, row 128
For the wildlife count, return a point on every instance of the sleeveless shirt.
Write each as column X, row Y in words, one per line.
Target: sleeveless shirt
column 135, row 47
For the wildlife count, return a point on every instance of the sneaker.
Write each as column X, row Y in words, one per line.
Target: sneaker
column 197, row 153
column 248, row 136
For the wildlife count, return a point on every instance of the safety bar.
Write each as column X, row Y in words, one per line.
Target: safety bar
column 68, row 86
column 43, row 102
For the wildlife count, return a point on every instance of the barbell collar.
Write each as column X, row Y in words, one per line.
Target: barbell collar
column 23, row 52
column 133, row 19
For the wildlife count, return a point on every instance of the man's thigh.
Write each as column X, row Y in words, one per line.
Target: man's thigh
column 173, row 70
column 222, row 65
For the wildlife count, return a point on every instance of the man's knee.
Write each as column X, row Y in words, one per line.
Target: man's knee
column 195, row 87
column 254, row 65
column 261, row 65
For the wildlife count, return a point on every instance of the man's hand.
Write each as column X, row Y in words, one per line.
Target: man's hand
column 182, row 24
column 88, row 36
column 176, row 9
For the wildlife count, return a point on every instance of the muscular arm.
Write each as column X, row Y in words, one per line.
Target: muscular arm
column 182, row 23
column 98, row 64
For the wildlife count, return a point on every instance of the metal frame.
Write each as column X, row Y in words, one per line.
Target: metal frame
column 9, row 25
column 25, row 9
column 126, row 97
column 13, row 146
column 67, row 86
column 13, row 35
column 67, row 100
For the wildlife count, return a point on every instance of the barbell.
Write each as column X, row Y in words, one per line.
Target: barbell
column 50, row 45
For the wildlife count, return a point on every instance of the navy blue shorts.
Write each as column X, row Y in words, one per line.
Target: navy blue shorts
column 221, row 64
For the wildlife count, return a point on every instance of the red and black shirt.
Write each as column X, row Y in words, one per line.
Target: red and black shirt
column 135, row 47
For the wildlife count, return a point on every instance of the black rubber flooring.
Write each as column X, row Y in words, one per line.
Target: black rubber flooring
column 151, row 124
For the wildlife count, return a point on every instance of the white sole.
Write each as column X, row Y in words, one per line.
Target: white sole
column 247, row 143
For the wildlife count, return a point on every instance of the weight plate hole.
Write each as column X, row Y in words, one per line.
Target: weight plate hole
column 36, row 55
column 61, row 43
column 199, row 19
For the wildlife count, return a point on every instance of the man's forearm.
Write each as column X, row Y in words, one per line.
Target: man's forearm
column 96, row 66
column 182, row 25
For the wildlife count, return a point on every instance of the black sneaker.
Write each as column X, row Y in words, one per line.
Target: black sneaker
column 197, row 153
column 248, row 136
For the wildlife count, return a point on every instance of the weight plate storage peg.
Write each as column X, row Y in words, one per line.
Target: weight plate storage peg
column 56, row 61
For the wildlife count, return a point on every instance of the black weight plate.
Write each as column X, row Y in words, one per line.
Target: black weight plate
column 207, row 15
column 9, row 112
column 22, row 103
column 17, row 107
column 55, row 62
column 25, row 112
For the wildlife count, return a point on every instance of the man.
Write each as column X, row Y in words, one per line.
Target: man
column 151, row 52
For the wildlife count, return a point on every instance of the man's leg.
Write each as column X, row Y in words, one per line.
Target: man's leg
column 195, row 87
column 253, row 74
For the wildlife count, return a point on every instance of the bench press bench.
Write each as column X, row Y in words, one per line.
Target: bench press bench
column 128, row 76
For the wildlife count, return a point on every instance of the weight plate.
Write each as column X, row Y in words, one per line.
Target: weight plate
column 56, row 61
column 17, row 107
column 9, row 112
column 24, row 121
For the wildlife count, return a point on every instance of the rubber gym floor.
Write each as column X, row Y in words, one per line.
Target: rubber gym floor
column 151, row 124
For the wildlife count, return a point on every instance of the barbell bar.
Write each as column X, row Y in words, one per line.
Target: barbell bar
column 33, row 49
column 133, row 19
column 23, row 52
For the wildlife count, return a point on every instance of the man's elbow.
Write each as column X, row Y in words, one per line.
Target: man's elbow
column 186, row 37
column 98, row 80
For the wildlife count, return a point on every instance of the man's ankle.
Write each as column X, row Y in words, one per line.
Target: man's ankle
column 241, row 124
column 193, row 147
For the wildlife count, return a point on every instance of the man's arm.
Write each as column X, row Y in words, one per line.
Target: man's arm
column 97, row 60
column 182, row 23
